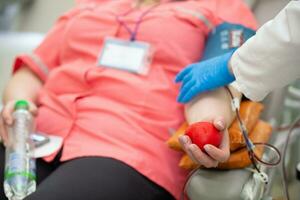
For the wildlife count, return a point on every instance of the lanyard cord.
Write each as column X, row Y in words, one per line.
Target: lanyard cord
column 133, row 33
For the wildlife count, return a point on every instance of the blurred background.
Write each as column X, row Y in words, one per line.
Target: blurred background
column 23, row 23
column 31, row 15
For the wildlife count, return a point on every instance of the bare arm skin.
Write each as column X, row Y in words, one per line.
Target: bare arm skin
column 215, row 107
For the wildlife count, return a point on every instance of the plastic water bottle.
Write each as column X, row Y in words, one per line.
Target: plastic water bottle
column 19, row 175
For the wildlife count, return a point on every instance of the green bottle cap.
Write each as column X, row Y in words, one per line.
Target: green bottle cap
column 21, row 104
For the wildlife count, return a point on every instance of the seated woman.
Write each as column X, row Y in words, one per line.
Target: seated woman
column 114, row 120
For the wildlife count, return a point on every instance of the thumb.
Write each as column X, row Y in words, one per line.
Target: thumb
column 33, row 109
column 219, row 123
column 7, row 112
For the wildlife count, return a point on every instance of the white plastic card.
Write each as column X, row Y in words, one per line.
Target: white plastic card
column 49, row 148
column 133, row 56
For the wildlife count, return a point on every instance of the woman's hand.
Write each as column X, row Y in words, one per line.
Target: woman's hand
column 6, row 118
column 24, row 84
column 213, row 155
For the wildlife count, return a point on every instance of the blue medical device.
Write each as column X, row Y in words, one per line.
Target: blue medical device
column 225, row 38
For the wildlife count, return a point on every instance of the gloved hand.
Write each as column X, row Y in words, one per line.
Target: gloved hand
column 204, row 76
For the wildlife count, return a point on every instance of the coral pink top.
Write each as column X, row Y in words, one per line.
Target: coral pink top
column 107, row 112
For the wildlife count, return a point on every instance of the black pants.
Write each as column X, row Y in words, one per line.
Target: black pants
column 89, row 178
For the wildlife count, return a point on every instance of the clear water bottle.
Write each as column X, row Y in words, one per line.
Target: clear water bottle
column 20, row 175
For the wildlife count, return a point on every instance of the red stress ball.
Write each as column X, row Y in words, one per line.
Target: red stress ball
column 202, row 133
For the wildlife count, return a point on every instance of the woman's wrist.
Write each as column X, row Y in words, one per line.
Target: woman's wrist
column 17, row 99
column 17, row 94
column 16, row 89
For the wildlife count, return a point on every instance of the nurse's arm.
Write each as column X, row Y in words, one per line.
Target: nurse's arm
column 215, row 107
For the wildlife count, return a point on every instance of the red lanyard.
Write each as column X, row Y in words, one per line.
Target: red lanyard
column 133, row 33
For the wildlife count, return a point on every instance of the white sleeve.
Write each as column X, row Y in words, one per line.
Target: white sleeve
column 271, row 58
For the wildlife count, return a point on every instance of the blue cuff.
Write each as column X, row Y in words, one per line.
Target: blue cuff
column 224, row 38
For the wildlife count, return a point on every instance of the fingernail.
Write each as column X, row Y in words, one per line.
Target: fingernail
column 207, row 147
column 183, row 139
column 220, row 124
column 192, row 147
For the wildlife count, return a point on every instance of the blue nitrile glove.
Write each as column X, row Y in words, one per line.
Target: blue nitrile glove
column 204, row 76
column 212, row 72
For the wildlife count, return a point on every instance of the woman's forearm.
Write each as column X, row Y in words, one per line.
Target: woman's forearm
column 211, row 105
column 24, row 84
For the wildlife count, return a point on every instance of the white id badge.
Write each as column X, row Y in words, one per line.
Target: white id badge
column 131, row 56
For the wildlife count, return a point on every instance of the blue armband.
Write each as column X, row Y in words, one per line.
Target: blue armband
column 225, row 38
